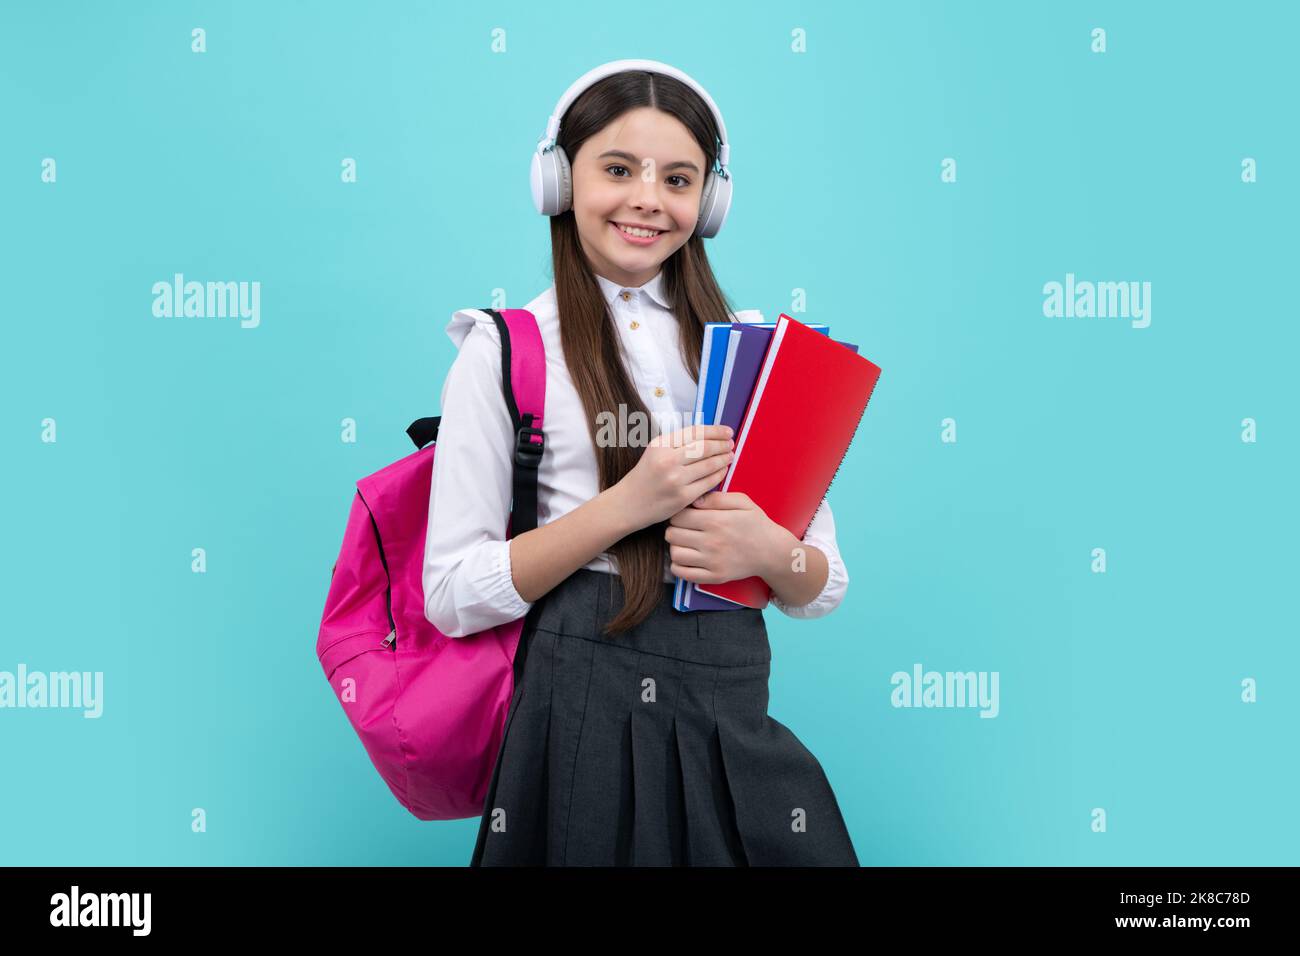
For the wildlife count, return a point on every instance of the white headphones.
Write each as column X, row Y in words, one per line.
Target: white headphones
column 552, row 179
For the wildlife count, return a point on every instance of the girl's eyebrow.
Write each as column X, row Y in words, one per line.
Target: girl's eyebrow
column 632, row 159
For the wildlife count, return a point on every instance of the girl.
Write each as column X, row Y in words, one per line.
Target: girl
column 637, row 734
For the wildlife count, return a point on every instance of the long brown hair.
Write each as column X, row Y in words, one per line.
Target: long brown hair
column 590, row 342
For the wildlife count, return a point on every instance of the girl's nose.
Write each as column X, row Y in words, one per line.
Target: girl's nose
column 646, row 196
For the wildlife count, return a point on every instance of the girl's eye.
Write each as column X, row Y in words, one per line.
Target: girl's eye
column 685, row 182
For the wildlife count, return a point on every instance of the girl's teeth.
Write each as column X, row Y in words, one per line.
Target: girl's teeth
column 642, row 233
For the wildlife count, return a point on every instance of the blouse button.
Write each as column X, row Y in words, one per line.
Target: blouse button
column 635, row 324
column 626, row 295
column 659, row 393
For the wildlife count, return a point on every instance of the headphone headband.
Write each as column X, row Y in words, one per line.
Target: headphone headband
column 591, row 77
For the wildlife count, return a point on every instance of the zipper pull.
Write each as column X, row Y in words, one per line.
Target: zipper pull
column 388, row 641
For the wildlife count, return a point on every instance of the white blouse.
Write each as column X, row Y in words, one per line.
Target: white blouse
column 468, row 585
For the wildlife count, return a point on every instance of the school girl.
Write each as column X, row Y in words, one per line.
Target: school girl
column 637, row 734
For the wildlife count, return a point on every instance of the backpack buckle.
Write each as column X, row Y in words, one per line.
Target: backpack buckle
column 528, row 453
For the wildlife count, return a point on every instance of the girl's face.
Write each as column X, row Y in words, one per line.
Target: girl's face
column 643, row 169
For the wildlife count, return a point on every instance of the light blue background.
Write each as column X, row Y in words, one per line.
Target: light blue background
column 1119, row 691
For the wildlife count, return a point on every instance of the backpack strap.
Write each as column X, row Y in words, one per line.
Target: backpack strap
column 424, row 430
column 523, row 381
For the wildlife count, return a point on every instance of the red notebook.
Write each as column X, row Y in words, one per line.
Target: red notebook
column 810, row 396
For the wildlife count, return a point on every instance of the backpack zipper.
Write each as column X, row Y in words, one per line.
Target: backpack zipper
column 387, row 642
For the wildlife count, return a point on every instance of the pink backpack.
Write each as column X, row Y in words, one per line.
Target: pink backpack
column 430, row 709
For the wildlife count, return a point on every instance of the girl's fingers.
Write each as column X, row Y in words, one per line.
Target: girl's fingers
column 707, row 483
column 689, row 559
column 690, row 538
column 707, row 466
column 705, row 448
column 695, row 432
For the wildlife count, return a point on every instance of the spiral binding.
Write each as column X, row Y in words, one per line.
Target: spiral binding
column 858, row 425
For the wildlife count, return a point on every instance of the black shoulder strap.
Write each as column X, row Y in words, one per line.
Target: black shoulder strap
column 527, row 454
column 424, row 430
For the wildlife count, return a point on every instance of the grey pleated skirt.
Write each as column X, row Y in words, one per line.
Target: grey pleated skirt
column 651, row 748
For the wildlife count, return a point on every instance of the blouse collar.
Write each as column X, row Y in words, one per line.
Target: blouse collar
column 653, row 288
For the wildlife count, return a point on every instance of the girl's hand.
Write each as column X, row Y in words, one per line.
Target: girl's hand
column 675, row 469
column 725, row 537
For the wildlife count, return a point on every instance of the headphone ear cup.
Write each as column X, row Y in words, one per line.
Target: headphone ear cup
column 565, row 175
column 552, row 182
column 714, row 205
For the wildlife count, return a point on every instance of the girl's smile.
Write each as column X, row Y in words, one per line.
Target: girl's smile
column 637, row 240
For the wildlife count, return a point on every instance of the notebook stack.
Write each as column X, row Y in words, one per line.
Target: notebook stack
column 793, row 398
